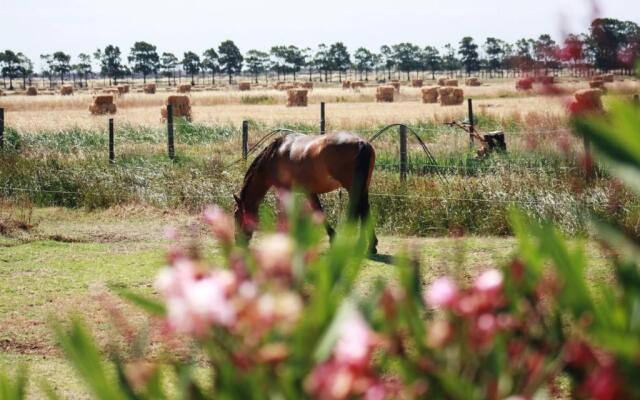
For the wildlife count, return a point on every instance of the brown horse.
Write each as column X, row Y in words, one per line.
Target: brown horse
column 316, row 164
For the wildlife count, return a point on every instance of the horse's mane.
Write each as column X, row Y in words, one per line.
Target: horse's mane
column 259, row 162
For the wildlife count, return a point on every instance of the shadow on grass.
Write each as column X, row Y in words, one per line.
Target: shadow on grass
column 382, row 258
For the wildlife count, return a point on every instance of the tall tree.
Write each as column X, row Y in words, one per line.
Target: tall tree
column 110, row 63
column 61, row 64
column 144, row 59
column 523, row 54
column 294, row 59
column 83, row 67
column 495, row 53
column 572, row 50
column 389, row 61
column 469, row 57
column 211, row 63
column 191, row 65
column 257, row 62
column 430, row 59
column 168, row 65
column 322, row 60
column 364, row 61
column 279, row 60
column 406, row 57
column 46, row 66
column 449, row 60
column 230, row 58
column 340, row 58
column 10, row 66
column 25, row 67
column 546, row 52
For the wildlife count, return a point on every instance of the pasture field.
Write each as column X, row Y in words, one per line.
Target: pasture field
column 72, row 224
column 64, row 264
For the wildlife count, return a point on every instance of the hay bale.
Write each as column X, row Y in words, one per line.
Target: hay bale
column 450, row 96
column 417, row 82
column 111, row 91
column 609, row 78
column 149, row 88
column 184, row 88
column 32, row 91
column 385, row 94
column 451, row 82
column 473, row 81
column 284, row 86
column 103, row 104
column 181, row 107
column 597, row 84
column 297, row 97
column 442, row 81
column 546, row 80
column 244, row 86
column 66, row 90
column 357, row 85
column 307, row 85
column 123, row 89
column 346, row 84
column 524, row 84
column 587, row 101
column 430, row 94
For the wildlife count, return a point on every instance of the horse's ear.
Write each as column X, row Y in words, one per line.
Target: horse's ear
column 237, row 199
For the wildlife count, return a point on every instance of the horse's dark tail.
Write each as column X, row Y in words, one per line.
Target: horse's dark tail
column 359, row 194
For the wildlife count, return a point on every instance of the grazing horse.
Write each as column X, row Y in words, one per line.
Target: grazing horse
column 317, row 164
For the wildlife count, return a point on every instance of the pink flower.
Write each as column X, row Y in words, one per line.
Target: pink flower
column 355, row 342
column 221, row 224
column 489, row 281
column 274, row 256
column 441, row 293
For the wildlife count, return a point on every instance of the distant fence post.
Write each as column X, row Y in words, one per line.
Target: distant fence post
column 170, row 147
column 471, row 127
column 322, row 120
column 403, row 153
column 636, row 100
column 245, row 139
column 112, row 152
column 1, row 128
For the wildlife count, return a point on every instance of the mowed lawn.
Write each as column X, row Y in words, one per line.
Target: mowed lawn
column 64, row 265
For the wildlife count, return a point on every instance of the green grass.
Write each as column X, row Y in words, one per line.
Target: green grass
column 42, row 279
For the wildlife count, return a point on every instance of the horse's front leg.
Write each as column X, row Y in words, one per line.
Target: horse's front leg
column 316, row 205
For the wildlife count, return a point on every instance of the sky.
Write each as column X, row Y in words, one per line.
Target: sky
column 43, row 26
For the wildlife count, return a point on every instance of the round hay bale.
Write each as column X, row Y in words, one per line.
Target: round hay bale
column 32, row 91
column 524, row 84
column 587, row 101
column 184, row 88
column 181, row 107
column 451, row 82
column 297, row 97
column 66, row 90
column 384, row 94
column 103, row 104
column 150, row 88
column 473, row 81
column 244, row 86
column 417, row 83
column 450, row 96
column 430, row 94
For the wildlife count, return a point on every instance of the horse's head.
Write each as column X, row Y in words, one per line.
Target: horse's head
column 246, row 219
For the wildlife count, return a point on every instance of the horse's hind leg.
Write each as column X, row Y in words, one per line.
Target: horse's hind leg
column 315, row 203
column 363, row 211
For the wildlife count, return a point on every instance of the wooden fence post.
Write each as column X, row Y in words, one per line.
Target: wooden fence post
column 636, row 100
column 245, row 140
column 322, row 120
column 403, row 153
column 170, row 146
column 1, row 128
column 112, row 153
column 471, row 127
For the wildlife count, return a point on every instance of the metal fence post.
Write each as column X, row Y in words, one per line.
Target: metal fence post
column 245, row 139
column 1, row 128
column 471, row 127
column 112, row 153
column 322, row 120
column 170, row 146
column 403, row 153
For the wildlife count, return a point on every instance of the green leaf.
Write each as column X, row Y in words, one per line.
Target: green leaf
column 148, row 304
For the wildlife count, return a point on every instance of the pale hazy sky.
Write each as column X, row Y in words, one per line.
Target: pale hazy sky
column 43, row 26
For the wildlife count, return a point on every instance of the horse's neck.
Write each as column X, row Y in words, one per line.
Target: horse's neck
column 254, row 190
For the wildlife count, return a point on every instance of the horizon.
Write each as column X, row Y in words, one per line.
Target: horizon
column 335, row 22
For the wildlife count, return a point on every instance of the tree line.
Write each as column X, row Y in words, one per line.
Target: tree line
column 610, row 44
